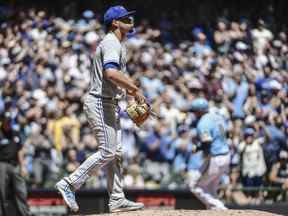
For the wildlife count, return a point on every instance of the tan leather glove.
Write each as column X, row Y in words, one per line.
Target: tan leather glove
column 138, row 112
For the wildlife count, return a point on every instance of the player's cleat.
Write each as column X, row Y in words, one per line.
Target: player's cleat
column 219, row 208
column 126, row 205
column 68, row 195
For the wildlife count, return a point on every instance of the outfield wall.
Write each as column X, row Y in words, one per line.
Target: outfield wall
column 95, row 201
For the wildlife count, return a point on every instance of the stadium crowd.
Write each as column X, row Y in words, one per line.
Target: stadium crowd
column 241, row 68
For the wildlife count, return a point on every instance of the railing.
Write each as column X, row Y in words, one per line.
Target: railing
column 49, row 202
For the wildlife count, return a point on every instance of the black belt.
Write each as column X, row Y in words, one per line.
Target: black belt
column 103, row 97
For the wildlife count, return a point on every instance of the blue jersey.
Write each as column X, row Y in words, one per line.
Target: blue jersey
column 212, row 128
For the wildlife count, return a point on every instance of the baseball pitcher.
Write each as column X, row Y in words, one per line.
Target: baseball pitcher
column 107, row 85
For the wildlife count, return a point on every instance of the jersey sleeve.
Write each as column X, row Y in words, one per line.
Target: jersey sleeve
column 111, row 51
column 204, row 132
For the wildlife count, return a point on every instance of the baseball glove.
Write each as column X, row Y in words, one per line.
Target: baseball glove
column 138, row 112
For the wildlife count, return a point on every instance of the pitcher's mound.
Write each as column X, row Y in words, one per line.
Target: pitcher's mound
column 193, row 213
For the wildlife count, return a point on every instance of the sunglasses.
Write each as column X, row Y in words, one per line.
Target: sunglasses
column 127, row 20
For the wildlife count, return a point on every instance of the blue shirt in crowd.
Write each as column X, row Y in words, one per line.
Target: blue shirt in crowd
column 238, row 102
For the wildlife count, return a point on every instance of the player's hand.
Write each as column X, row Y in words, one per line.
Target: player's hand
column 139, row 97
column 23, row 171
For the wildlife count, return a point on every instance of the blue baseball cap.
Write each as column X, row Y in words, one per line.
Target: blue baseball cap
column 249, row 131
column 88, row 14
column 199, row 104
column 116, row 12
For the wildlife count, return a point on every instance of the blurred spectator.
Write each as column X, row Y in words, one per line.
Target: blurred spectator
column 253, row 165
column 71, row 164
column 261, row 36
column 65, row 131
column 39, row 152
column 252, row 159
column 133, row 178
column 279, row 172
column 278, row 175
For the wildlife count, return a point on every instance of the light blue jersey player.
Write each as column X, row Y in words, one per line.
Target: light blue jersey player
column 211, row 132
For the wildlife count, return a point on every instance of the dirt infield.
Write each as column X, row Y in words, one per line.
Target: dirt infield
column 192, row 213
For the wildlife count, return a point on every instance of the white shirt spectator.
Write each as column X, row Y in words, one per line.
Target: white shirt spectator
column 37, row 35
column 253, row 163
column 261, row 37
